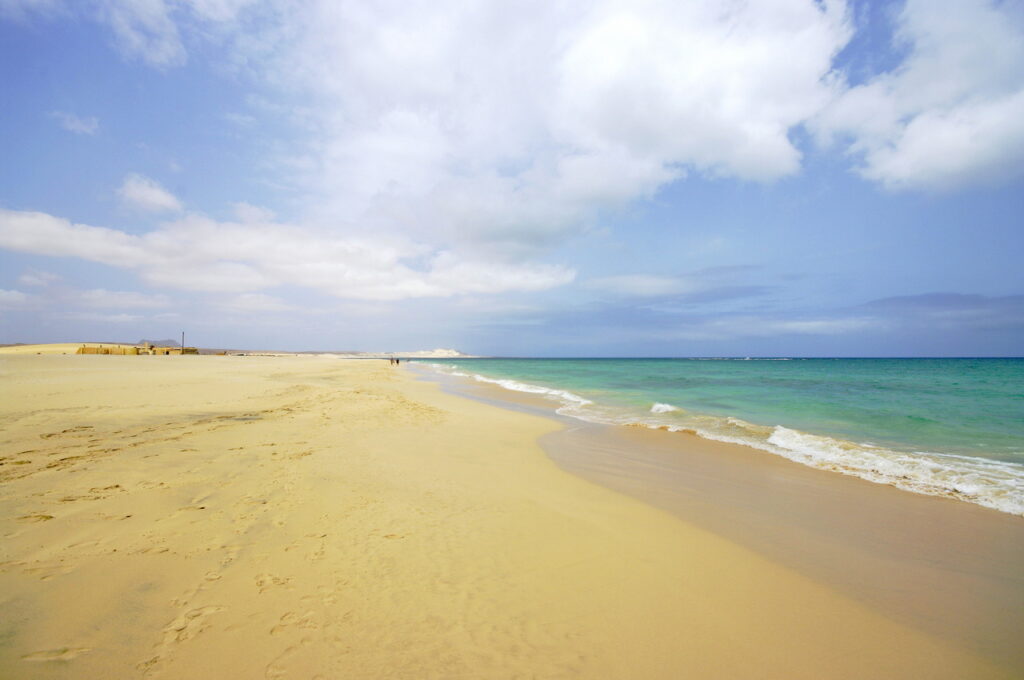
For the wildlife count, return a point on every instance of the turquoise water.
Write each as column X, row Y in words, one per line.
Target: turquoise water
column 952, row 427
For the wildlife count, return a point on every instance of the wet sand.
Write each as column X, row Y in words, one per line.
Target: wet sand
column 276, row 517
column 946, row 567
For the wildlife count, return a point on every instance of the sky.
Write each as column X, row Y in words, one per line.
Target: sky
column 602, row 178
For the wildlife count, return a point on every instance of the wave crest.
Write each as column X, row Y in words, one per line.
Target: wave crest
column 989, row 483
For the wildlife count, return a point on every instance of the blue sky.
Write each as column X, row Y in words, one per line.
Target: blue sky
column 783, row 177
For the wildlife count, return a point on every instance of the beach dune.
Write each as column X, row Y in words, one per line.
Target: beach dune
column 251, row 517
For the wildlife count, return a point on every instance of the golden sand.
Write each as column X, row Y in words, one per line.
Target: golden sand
column 299, row 517
column 55, row 347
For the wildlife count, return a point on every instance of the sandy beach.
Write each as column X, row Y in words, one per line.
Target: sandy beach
column 310, row 517
column 952, row 569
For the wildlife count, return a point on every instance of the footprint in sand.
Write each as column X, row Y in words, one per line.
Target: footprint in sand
column 292, row 620
column 266, row 581
column 276, row 668
column 69, row 431
column 181, row 629
column 35, row 518
column 189, row 624
column 62, row 654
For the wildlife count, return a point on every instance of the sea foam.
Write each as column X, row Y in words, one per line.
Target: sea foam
column 564, row 397
column 988, row 483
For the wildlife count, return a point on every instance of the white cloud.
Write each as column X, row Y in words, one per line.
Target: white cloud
column 714, row 86
column 116, row 299
column 246, row 212
column 12, row 299
column 197, row 253
column 241, row 120
column 498, row 129
column 72, row 123
column 95, row 298
column 505, row 128
column 142, row 193
column 22, row 10
column 255, row 302
column 103, row 318
column 37, row 278
column 34, row 232
column 152, row 30
column 495, row 131
column 218, row 10
column 146, row 30
column 952, row 114
column 51, row 292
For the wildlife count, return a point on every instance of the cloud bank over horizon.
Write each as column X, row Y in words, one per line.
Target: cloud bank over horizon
column 395, row 153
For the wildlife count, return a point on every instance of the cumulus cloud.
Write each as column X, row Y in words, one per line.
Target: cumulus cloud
column 197, row 253
column 72, row 123
column 496, row 132
column 138, row 192
column 952, row 113
column 501, row 130
column 709, row 85
column 506, row 129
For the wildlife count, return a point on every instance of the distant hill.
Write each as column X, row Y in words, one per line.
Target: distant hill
column 160, row 343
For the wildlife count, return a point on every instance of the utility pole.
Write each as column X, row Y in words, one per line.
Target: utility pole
column 183, row 343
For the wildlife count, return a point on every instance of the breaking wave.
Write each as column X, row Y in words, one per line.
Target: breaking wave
column 989, row 483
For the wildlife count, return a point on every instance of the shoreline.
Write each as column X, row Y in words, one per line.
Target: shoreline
column 973, row 477
column 288, row 517
column 913, row 557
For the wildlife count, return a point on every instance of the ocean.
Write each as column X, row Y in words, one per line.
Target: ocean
column 944, row 427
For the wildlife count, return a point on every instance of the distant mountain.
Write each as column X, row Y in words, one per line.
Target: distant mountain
column 160, row 343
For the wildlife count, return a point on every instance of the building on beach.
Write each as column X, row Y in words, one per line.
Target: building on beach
column 145, row 348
